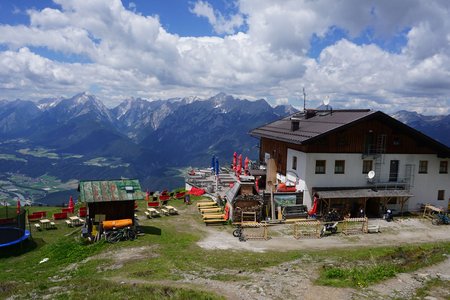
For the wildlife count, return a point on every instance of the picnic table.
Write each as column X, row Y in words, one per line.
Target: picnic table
column 430, row 209
column 75, row 220
column 45, row 223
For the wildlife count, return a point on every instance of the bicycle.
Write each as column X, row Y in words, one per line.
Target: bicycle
column 122, row 234
column 239, row 233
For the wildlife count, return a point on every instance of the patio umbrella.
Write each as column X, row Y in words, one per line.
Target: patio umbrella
column 234, row 161
column 71, row 204
column 147, row 196
column 18, row 206
column 213, row 163
column 217, row 166
column 239, row 167
column 246, row 161
column 312, row 212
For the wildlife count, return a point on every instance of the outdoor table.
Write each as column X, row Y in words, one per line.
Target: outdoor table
column 74, row 220
column 170, row 208
column 45, row 223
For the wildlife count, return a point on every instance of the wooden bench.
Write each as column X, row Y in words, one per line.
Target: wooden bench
column 38, row 227
column 68, row 222
column 52, row 225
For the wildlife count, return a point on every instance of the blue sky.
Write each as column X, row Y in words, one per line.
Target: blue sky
column 386, row 55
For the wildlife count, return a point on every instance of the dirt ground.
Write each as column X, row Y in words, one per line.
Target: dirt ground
column 292, row 281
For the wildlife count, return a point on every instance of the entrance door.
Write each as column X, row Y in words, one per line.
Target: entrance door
column 393, row 171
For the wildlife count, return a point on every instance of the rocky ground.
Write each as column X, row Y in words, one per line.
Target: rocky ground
column 292, row 281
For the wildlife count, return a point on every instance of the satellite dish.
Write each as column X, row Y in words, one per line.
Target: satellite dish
column 326, row 101
column 371, row 174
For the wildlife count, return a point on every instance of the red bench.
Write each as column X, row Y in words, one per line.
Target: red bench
column 60, row 216
column 37, row 216
column 180, row 195
column 153, row 204
column 43, row 214
column 82, row 212
column 68, row 210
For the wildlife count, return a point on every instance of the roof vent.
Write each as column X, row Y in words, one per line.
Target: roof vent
column 310, row 113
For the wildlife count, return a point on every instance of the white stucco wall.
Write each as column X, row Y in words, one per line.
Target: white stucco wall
column 424, row 186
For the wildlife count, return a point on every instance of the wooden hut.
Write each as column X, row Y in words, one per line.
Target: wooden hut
column 109, row 199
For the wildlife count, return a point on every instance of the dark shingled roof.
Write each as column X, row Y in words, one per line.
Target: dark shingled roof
column 316, row 125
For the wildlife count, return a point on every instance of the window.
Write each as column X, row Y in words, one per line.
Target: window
column 443, row 167
column 320, row 166
column 367, row 166
column 339, row 167
column 441, row 194
column 294, row 162
column 423, row 167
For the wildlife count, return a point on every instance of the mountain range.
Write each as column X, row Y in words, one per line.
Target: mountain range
column 79, row 137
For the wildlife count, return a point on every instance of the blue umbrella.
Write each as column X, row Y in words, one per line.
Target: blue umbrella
column 213, row 161
column 217, row 166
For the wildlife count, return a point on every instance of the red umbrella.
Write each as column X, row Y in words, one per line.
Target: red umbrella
column 71, row 204
column 234, row 160
column 147, row 196
column 246, row 161
column 18, row 206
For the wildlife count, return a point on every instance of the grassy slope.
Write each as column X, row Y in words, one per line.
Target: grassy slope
column 172, row 251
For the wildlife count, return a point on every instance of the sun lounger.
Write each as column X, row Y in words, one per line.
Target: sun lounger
column 213, row 216
column 214, row 221
column 210, row 210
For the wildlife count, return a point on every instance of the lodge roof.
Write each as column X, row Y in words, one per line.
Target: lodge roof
column 110, row 190
column 313, row 124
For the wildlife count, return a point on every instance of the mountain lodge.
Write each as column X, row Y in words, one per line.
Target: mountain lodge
column 357, row 159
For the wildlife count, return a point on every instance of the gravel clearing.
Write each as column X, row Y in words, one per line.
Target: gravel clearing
column 292, row 280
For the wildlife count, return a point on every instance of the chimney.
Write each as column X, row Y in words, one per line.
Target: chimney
column 310, row 113
column 295, row 125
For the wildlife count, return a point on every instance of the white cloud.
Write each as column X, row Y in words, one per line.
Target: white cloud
column 282, row 101
column 130, row 54
column 216, row 19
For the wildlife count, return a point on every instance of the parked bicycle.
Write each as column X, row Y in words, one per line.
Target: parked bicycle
column 440, row 219
column 122, row 234
column 239, row 233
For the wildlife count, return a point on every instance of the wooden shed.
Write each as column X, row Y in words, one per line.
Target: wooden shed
column 110, row 199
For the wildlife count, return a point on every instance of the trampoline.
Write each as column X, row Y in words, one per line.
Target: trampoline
column 12, row 235
column 12, row 226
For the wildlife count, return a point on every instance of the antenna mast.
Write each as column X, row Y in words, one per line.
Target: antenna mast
column 304, row 100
